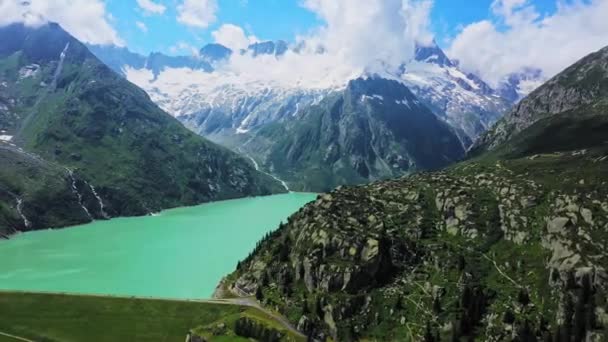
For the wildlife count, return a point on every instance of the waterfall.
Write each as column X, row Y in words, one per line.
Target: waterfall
column 59, row 65
column 26, row 222
column 77, row 193
column 101, row 205
column 257, row 168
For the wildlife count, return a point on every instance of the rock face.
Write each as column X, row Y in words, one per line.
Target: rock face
column 492, row 249
column 373, row 129
column 518, row 85
column 115, row 151
column 462, row 100
column 577, row 89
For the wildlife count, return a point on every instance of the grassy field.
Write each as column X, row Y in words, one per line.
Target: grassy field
column 55, row 317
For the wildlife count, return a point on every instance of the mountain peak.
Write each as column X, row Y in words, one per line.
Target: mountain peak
column 518, row 84
column 40, row 43
column 215, row 52
column 431, row 53
column 277, row 48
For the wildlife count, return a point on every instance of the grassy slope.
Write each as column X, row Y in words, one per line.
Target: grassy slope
column 43, row 186
column 89, row 119
column 53, row 317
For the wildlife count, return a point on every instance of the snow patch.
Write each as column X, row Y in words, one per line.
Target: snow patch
column 527, row 86
column 404, row 102
column 373, row 97
column 29, row 71
column 459, row 74
column 6, row 137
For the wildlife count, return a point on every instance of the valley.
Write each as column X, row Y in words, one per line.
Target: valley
column 386, row 173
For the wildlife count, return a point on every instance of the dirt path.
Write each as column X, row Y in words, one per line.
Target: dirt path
column 251, row 302
column 18, row 338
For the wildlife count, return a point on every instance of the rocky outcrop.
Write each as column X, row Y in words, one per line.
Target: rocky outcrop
column 486, row 250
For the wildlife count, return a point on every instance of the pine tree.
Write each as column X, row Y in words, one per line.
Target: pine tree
column 523, row 297
column 436, row 305
column 319, row 308
column 461, row 263
column 305, row 308
column 428, row 334
column 258, row 294
column 399, row 303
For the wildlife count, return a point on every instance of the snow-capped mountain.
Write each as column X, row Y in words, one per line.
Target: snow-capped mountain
column 225, row 110
column 518, row 85
column 254, row 100
column 277, row 48
column 372, row 129
column 463, row 100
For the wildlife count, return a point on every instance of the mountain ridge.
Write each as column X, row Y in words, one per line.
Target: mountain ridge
column 61, row 105
column 240, row 116
column 558, row 95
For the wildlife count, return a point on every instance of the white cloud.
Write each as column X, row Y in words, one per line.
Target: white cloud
column 357, row 38
column 141, row 26
column 151, row 7
column 197, row 13
column 519, row 36
column 87, row 20
column 373, row 34
column 233, row 37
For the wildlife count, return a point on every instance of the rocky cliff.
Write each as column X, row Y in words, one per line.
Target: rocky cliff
column 374, row 129
column 580, row 88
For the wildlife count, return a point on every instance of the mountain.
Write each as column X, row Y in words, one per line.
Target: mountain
column 463, row 100
column 72, row 125
column 158, row 62
column 215, row 52
column 517, row 85
column 119, row 58
column 510, row 245
column 244, row 114
column 555, row 114
column 277, row 48
column 373, row 129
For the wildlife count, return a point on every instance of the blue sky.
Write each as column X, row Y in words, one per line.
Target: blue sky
column 267, row 19
column 271, row 20
column 491, row 38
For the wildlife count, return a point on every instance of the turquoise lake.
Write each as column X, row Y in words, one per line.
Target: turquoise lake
column 180, row 253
